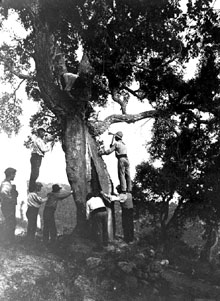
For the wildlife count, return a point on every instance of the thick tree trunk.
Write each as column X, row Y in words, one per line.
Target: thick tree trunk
column 86, row 170
column 99, row 179
column 75, row 152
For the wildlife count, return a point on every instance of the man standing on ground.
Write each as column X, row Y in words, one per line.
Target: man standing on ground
column 40, row 147
column 126, row 202
column 49, row 229
column 123, row 164
column 97, row 213
column 34, row 202
column 8, row 197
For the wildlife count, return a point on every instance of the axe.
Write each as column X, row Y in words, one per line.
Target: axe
column 113, row 137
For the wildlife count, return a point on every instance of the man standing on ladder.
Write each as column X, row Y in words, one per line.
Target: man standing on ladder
column 40, row 147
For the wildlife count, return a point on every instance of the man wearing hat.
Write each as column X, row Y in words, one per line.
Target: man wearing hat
column 34, row 202
column 40, row 147
column 123, row 164
column 49, row 229
column 8, row 197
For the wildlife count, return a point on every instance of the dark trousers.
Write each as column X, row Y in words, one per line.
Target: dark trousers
column 49, row 230
column 31, row 214
column 128, row 224
column 124, row 174
column 8, row 211
column 100, row 226
column 35, row 170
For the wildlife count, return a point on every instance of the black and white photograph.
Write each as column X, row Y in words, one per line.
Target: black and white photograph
column 109, row 150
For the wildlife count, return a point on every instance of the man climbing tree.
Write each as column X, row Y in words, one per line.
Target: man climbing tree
column 124, row 42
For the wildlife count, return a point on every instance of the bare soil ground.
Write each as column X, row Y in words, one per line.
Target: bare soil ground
column 72, row 271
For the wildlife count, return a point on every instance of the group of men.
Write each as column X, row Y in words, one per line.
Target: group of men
column 34, row 201
column 95, row 205
column 8, row 198
column 9, row 194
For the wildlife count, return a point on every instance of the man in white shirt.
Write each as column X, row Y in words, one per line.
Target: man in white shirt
column 40, row 147
column 69, row 80
column 34, row 202
column 97, row 213
column 8, row 197
column 120, row 150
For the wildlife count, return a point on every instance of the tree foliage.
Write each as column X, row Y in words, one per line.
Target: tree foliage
column 123, row 40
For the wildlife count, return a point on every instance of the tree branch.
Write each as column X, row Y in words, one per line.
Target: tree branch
column 14, row 93
column 165, row 63
column 99, row 127
column 22, row 75
column 134, row 93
